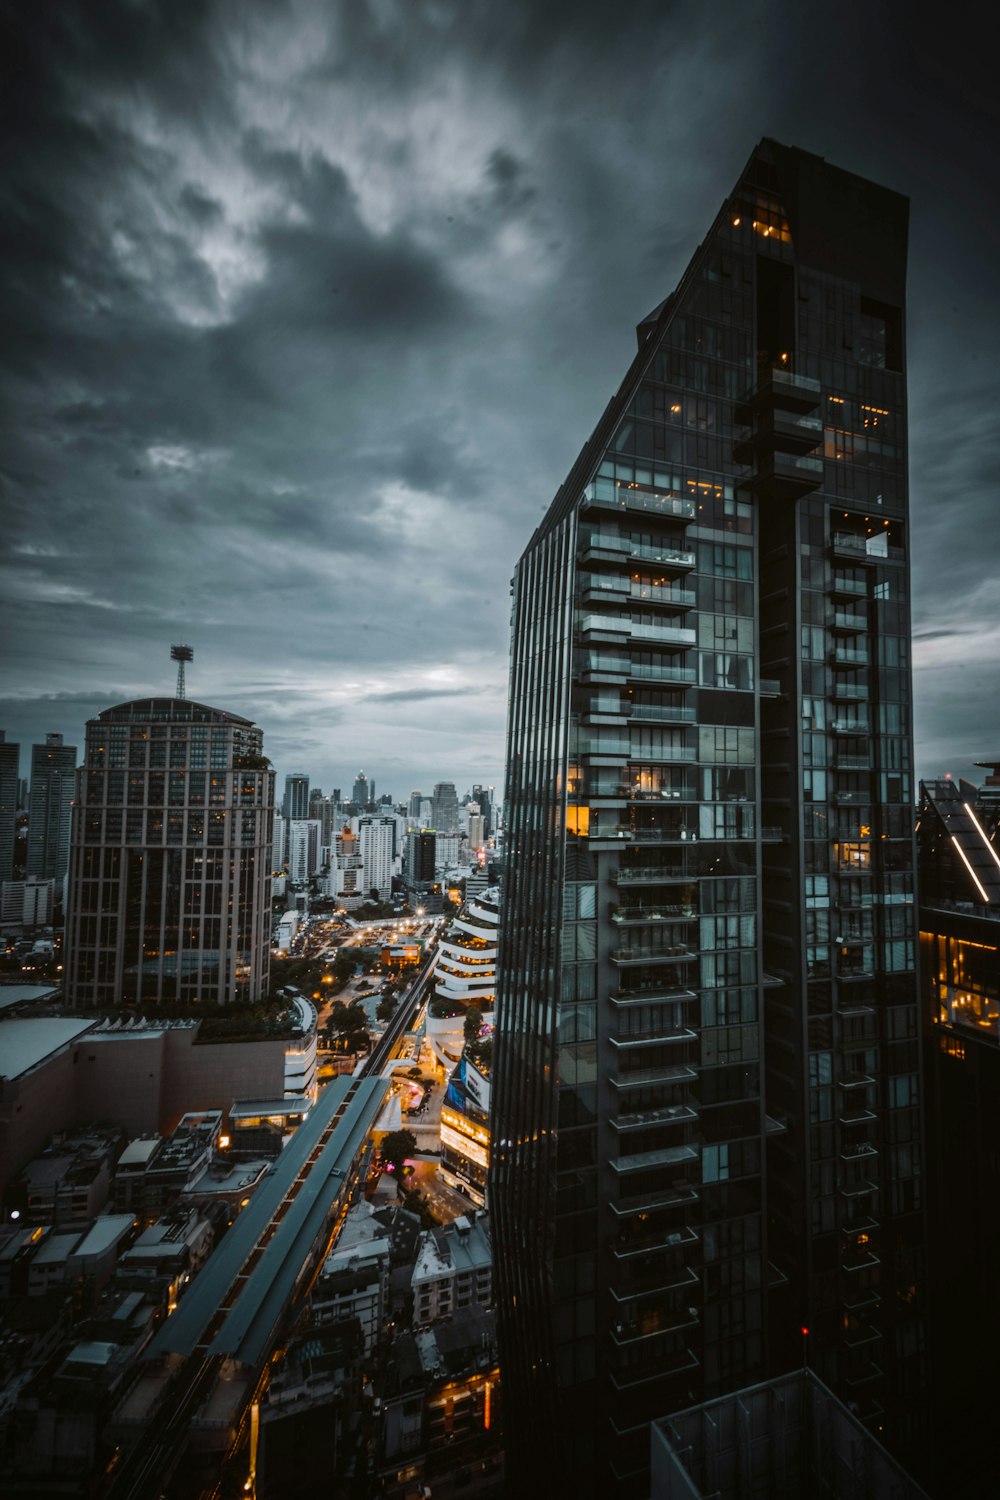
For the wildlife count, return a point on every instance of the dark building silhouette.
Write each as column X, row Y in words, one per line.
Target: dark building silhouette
column 10, row 759
column 706, row 1113
column 958, row 833
column 53, row 770
column 170, row 878
column 295, row 805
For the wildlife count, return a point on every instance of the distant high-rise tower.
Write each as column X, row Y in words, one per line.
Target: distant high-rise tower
column 10, row 757
column 53, row 767
column 445, row 807
column 170, row 891
column 295, row 805
column 706, row 1108
column 377, row 837
column 362, row 792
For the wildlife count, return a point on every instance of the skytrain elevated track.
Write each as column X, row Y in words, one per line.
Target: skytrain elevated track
column 208, row 1361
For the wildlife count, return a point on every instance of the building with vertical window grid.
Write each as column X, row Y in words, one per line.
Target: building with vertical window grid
column 170, row 896
column 706, row 1105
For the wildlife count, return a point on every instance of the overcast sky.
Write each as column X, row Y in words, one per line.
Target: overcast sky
column 308, row 307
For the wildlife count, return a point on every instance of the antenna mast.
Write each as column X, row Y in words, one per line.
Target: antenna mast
column 181, row 654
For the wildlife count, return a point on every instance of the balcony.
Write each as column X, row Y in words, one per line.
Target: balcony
column 678, row 954
column 779, row 390
column 679, row 1192
column 666, row 1156
column 862, row 1260
column 597, row 587
column 662, row 1365
column 849, row 656
column 859, row 1151
column 657, row 835
column 771, row 835
column 643, row 672
column 652, row 994
column 849, row 692
column 598, row 548
column 653, row 1280
column 660, row 1035
column 670, row 1114
column 638, row 915
column 779, row 429
column 624, row 1248
column 642, row 1077
column 852, row 763
column 769, row 687
column 845, row 622
column 848, row 588
column 671, row 635
column 784, row 476
column 855, row 1080
column 650, row 875
column 659, row 713
column 863, row 548
column 864, row 1186
column 668, row 1323
column 851, row 799
column 620, row 494
column 850, row 726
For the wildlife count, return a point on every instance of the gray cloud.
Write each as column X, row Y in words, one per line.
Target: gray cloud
column 308, row 309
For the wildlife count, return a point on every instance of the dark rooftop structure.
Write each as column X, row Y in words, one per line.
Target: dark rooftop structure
column 782, row 1440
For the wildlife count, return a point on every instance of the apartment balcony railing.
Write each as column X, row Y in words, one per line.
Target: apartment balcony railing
column 852, row 763
column 864, row 549
column 660, row 713
column 643, row 955
column 643, row 672
column 638, row 915
column 848, row 656
column 845, row 622
column 784, row 476
column 624, row 1247
column 849, row 692
column 859, row 1151
column 650, row 874
column 619, row 494
column 782, row 390
column 848, row 588
column 669, row 1114
column 639, row 1078
column 671, row 635
column 658, row 1035
column 850, row 726
column 651, row 994
column 663, row 557
column 769, row 687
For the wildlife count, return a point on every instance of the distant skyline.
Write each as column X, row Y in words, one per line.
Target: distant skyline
column 309, row 308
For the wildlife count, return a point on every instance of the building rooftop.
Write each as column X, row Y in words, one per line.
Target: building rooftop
column 24, row 1044
column 168, row 711
column 786, row 1438
column 104, row 1233
column 138, row 1152
column 24, row 994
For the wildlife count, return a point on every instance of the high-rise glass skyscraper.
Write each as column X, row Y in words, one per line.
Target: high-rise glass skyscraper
column 53, row 775
column 706, row 1119
column 170, row 872
column 296, row 800
column 10, row 760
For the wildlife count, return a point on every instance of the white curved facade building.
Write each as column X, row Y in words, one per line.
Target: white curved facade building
column 464, row 975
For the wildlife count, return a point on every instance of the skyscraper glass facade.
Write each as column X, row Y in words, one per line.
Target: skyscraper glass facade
column 706, row 1123
column 170, row 871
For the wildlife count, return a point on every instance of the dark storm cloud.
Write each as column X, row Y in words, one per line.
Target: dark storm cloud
column 308, row 309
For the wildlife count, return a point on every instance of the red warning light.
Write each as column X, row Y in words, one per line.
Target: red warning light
column 804, row 1332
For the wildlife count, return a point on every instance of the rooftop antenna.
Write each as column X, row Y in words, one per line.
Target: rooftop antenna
column 181, row 654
